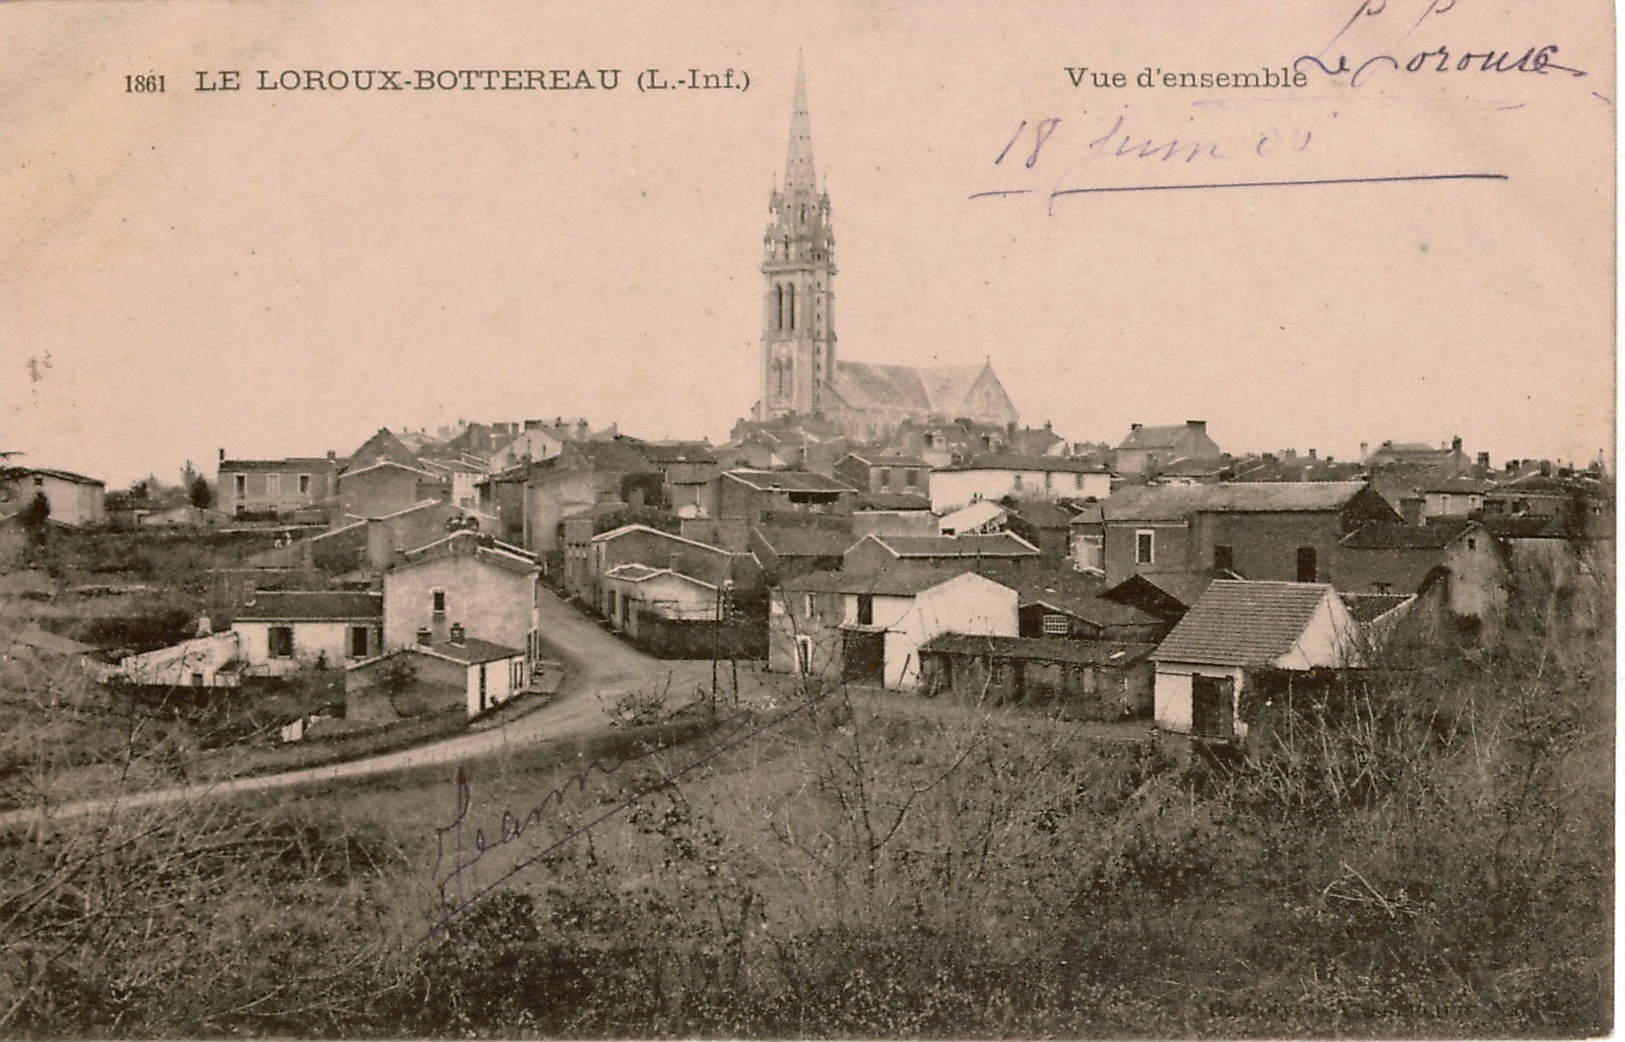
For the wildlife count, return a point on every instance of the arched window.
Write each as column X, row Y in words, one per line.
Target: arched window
column 790, row 305
column 778, row 307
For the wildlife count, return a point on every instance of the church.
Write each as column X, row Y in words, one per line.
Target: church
column 800, row 374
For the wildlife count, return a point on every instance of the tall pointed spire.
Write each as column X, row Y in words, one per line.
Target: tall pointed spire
column 798, row 164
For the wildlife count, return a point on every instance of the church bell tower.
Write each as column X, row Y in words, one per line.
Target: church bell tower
column 798, row 268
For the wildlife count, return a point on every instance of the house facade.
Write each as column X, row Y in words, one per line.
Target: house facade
column 1397, row 559
column 386, row 487
column 877, row 472
column 273, row 487
column 1019, row 477
column 75, row 500
column 461, row 580
column 284, row 633
column 1236, row 628
column 1147, row 449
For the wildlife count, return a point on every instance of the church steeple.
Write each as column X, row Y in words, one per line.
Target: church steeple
column 798, row 328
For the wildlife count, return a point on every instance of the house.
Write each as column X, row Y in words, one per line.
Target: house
column 1017, row 477
column 794, row 440
column 216, row 660
column 787, row 551
column 881, row 473
column 1145, row 450
column 874, row 552
column 464, row 579
column 533, row 498
column 1091, row 679
column 1453, row 497
column 1234, row 630
column 941, row 442
column 273, row 487
column 1264, row 530
column 382, row 445
column 285, row 632
column 371, row 545
column 1396, row 558
column 1038, row 441
column 537, row 441
column 1087, row 535
column 576, row 532
column 386, row 486
column 892, row 513
column 75, row 500
column 689, row 472
column 751, row 494
column 1044, row 523
column 652, row 548
column 1061, row 604
column 866, row 627
column 460, row 672
column 464, row 475
column 1447, row 459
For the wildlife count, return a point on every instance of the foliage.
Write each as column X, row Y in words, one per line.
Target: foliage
column 199, row 493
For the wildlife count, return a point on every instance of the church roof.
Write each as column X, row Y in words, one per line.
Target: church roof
column 918, row 390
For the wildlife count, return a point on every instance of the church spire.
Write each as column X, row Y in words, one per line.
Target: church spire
column 798, row 164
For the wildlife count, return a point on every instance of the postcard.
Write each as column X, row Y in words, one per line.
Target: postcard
column 808, row 520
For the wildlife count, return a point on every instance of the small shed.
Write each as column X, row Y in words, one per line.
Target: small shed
column 1094, row 679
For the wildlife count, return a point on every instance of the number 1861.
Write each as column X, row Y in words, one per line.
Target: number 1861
column 148, row 84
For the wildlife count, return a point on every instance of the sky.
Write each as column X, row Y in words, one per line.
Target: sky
column 282, row 272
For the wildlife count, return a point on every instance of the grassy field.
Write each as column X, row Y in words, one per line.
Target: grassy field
column 1436, row 862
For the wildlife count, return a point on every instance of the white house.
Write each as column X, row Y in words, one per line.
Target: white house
column 887, row 616
column 75, row 499
column 282, row 633
column 1023, row 477
column 633, row 589
column 1235, row 627
column 463, row 579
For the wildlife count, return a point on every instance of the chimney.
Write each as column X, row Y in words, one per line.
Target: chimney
column 424, row 637
column 456, row 635
column 331, row 456
column 1365, row 451
column 1545, row 468
column 1134, row 426
column 1512, row 466
column 1455, row 444
column 1483, row 461
column 222, row 457
column 1197, row 425
column 581, row 430
column 1311, row 453
column 1290, row 455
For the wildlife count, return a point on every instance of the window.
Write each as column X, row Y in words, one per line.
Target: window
column 1472, row 543
column 280, row 641
column 39, row 482
column 437, row 601
column 911, row 478
column 1015, row 481
column 1144, row 546
column 1306, row 564
column 273, row 485
column 240, row 485
column 1055, row 626
column 358, row 641
column 304, row 484
column 885, row 479
column 1224, row 558
column 804, row 655
column 197, row 679
column 807, row 605
column 866, row 609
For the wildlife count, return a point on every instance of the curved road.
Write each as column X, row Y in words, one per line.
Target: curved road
column 600, row 666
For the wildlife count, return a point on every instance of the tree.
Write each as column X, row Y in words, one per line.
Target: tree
column 34, row 516
column 201, row 494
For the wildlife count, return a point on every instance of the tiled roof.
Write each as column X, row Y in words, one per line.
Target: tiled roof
column 1407, row 537
column 1239, row 623
column 313, row 606
column 1176, row 502
column 904, row 578
column 1012, row 461
column 63, row 475
column 292, row 463
column 479, row 547
column 1034, row 649
column 472, row 651
column 679, row 452
column 891, row 501
column 805, row 540
column 1144, row 437
column 787, row 481
column 999, row 544
column 1457, row 486
column 1042, row 513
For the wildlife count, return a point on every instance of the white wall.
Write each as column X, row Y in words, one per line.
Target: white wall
column 174, row 665
column 499, row 683
column 1171, row 695
column 966, row 604
column 952, row 489
column 1331, row 638
column 310, row 640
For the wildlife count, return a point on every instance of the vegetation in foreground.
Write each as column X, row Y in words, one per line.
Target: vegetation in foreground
column 1430, row 854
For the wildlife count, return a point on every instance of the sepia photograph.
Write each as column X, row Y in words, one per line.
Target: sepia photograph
column 862, row 520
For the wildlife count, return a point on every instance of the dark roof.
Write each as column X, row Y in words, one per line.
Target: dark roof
column 679, row 452
column 882, row 460
column 805, row 540
column 481, row 548
column 891, row 501
column 1042, row 513
column 1303, row 468
column 291, row 463
column 1407, row 537
column 1159, row 437
column 1175, row 502
column 787, row 481
column 1240, row 623
column 998, row 544
column 1532, row 527
column 1034, row 649
column 1169, row 595
column 1013, row 461
column 1456, row 486
column 312, row 606
column 918, row 390
column 904, row 579
column 63, row 475
column 473, row 651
